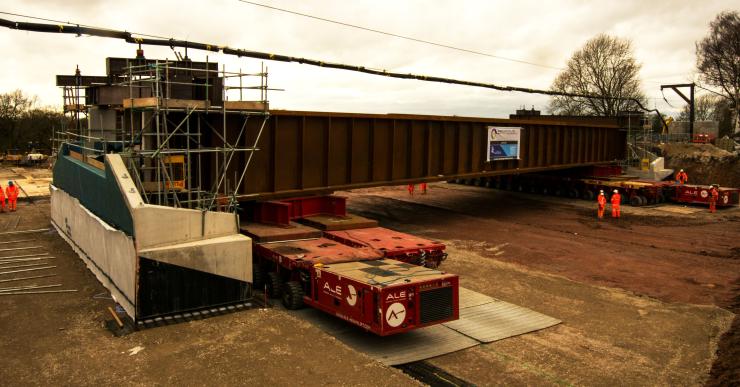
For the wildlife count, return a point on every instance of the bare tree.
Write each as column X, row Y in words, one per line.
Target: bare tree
column 13, row 106
column 718, row 59
column 705, row 107
column 605, row 66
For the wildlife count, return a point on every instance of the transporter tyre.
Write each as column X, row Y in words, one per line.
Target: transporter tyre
column 274, row 284
column 573, row 193
column 589, row 195
column 661, row 198
column 258, row 278
column 292, row 295
column 635, row 201
column 644, row 200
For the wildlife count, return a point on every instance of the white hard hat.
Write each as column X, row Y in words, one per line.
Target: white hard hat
column 615, row 191
column 601, row 191
column 682, row 170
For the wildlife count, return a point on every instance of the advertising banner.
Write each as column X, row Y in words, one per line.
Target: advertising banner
column 503, row 143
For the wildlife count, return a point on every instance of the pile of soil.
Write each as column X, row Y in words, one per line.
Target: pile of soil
column 726, row 369
column 705, row 163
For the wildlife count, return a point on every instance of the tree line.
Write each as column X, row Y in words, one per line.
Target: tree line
column 606, row 66
column 25, row 126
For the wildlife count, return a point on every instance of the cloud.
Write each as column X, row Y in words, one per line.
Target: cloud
column 663, row 35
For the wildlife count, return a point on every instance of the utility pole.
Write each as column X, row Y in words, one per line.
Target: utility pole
column 689, row 101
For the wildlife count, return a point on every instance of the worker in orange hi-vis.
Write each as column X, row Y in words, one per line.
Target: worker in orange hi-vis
column 682, row 177
column 601, row 199
column 616, row 201
column 11, row 191
column 713, row 197
column 2, row 199
column 423, row 188
column 410, row 188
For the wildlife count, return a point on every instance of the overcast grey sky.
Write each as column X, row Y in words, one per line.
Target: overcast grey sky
column 545, row 32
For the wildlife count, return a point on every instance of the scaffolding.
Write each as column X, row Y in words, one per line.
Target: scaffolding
column 74, row 107
column 171, row 129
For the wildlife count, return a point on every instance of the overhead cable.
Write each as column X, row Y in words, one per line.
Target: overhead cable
column 411, row 38
column 78, row 30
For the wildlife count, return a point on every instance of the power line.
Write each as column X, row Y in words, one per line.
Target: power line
column 711, row 91
column 413, row 39
column 61, row 22
column 79, row 30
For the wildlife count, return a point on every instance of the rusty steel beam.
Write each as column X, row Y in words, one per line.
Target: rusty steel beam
column 306, row 153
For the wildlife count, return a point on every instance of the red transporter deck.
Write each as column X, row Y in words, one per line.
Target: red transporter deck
column 393, row 244
column 304, row 254
column 385, row 296
column 699, row 194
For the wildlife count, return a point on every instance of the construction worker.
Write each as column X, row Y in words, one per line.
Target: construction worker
column 423, row 188
column 2, row 199
column 713, row 197
column 681, row 177
column 11, row 191
column 616, row 201
column 601, row 199
column 410, row 188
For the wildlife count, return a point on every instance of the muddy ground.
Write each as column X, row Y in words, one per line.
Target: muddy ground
column 59, row 339
column 643, row 299
column 643, row 302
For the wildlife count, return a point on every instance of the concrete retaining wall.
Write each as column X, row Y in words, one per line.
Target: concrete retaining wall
column 199, row 240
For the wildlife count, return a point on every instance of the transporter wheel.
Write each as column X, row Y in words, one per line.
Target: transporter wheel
column 573, row 193
column 258, row 278
column 644, row 200
column 635, row 201
column 589, row 195
column 661, row 198
column 274, row 284
column 292, row 295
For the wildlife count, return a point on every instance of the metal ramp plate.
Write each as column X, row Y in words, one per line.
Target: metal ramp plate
column 498, row 320
column 483, row 319
column 403, row 348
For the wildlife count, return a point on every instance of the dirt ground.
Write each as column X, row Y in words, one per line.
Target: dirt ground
column 643, row 301
column 59, row 339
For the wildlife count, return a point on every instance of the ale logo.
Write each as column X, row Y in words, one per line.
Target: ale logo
column 352, row 298
column 395, row 314
column 704, row 194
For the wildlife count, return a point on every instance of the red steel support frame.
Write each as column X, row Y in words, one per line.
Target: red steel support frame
column 282, row 212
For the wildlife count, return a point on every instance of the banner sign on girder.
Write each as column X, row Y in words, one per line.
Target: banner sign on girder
column 503, row 143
